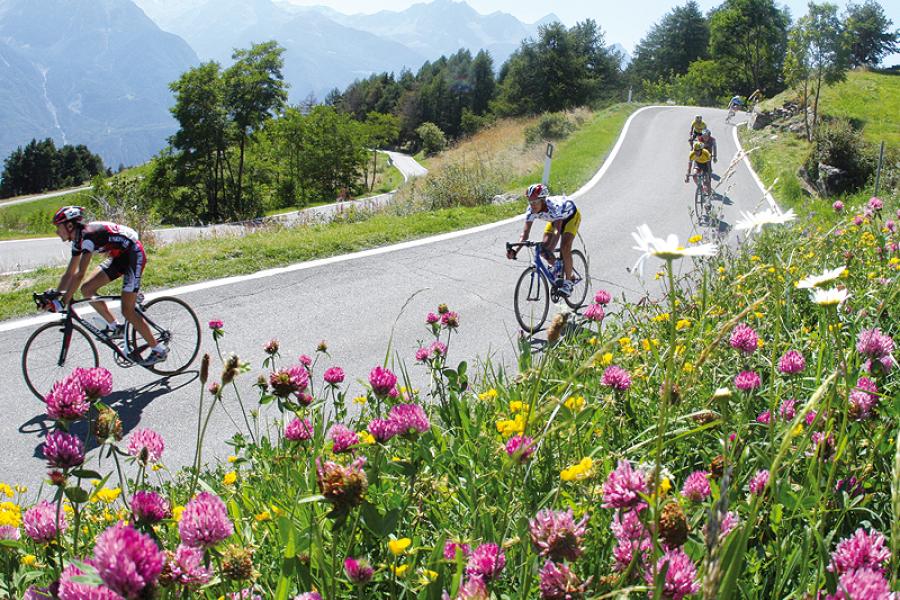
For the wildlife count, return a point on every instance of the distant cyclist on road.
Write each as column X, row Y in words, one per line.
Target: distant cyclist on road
column 755, row 98
column 563, row 219
column 697, row 127
column 703, row 161
column 126, row 259
column 735, row 103
column 709, row 142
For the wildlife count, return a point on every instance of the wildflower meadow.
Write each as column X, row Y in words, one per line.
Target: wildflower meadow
column 735, row 438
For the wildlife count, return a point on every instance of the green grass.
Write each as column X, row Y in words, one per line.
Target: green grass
column 871, row 100
column 33, row 219
column 578, row 157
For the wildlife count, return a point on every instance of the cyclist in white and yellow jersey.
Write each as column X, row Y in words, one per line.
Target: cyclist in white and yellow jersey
column 563, row 219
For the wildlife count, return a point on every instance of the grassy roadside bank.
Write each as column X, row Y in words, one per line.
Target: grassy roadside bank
column 871, row 101
column 576, row 159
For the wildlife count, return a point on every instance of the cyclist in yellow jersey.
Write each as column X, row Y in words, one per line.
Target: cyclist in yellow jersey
column 697, row 127
column 700, row 157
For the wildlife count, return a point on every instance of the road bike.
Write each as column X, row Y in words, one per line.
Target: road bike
column 540, row 283
column 703, row 196
column 55, row 349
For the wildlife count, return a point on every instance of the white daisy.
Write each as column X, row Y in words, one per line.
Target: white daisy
column 666, row 249
column 754, row 222
column 814, row 281
column 832, row 297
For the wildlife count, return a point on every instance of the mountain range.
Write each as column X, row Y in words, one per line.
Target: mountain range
column 97, row 72
column 92, row 72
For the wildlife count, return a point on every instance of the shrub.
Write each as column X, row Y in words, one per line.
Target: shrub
column 465, row 182
column 839, row 145
column 433, row 139
column 551, row 127
column 472, row 123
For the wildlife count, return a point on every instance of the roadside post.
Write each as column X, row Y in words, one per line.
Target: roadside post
column 878, row 172
column 548, row 158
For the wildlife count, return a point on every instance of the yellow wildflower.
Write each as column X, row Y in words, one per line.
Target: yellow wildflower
column 491, row 394
column 366, row 438
column 721, row 269
column 754, row 258
column 398, row 547
column 579, row 471
column 29, row 560
column 428, row 576
column 10, row 514
column 645, row 344
column 575, row 403
column 688, row 367
column 359, row 400
column 760, row 343
column 682, row 324
column 232, row 459
column 511, row 427
column 21, row 489
column 607, row 359
column 6, row 490
column 399, row 570
column 176, row 513
column 263, row 516
column 661, row 318
column 230, row 478
column 517, row 406
column 695, row 238
column 664, row 486
column 797, row 430
column 106, row 495
column 592, row 341
column 771, row 269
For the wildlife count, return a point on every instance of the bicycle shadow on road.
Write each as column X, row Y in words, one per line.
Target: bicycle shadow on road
column 129, row 404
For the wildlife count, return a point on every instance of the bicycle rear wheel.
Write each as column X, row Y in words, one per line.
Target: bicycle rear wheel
column 532, row 300
column 175, row 324
column 582, row 280
column 47, row 358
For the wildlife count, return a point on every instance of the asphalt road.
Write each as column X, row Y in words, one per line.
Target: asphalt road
column 361, row 303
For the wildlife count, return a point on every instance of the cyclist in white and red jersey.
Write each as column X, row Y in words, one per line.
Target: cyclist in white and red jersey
column 126, row 259
column 563, row 219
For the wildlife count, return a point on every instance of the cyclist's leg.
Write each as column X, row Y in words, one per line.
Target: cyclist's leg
column 131, row 284
column 548, row 244
column 89, row 288
column 569, row 231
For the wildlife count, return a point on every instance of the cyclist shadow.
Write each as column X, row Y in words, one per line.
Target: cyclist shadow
column 129, row 404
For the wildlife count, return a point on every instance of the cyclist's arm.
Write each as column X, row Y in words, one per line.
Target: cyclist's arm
column 690, row 164
column 526, row 231
column 71, row 279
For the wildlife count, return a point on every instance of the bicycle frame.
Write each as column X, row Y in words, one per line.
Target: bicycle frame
column 124, row 352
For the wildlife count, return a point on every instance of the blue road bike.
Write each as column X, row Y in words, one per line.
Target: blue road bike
column 539, row 284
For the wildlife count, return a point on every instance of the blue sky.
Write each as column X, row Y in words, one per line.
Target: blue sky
column 624, row 22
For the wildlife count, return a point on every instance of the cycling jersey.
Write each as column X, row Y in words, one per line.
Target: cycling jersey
column 697, row 128
column 126, row 253
column 558, row 208
column 104, row 237
column 702, row 157
column 736, row 101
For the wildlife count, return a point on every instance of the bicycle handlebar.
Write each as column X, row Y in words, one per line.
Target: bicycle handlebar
column 527, row 244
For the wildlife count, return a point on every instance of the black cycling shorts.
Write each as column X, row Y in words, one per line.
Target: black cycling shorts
column 128, row 264
column 704, row 167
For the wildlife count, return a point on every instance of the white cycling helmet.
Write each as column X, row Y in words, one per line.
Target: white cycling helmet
column 537, row 191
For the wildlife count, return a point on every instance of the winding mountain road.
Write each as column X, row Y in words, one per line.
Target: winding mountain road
column 362, row 302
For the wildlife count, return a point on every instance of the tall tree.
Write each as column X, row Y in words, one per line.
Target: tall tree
column 560, row 70
column 201, row 140
column 749, row 39
column 483, row 83
column 254, row 92
column 821, row 31
column 670, row 46
column 869, row 37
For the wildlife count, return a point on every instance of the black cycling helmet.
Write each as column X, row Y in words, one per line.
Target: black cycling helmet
column 69, row 214
column 537, row 191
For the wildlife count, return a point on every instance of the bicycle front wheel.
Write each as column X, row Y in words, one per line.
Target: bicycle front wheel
column 582, row 280
column 532, row 300
column 48, row 357
column 174, row 323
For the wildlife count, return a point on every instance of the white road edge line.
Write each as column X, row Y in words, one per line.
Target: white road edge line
column 768, row 195
column 312, row 264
